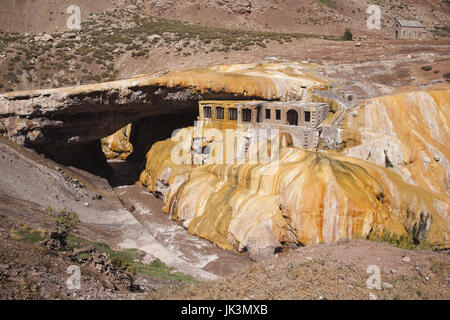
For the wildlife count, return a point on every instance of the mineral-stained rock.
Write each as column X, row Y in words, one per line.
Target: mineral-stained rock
column 61, row 122
column 118, row 144
column 408, row 131
column 306, row 197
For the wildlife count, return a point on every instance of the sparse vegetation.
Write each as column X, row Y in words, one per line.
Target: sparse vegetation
column 307, row 275
column 404, row 241
column 127, row 259
column 387, row 161
column 348, row 36
column 108, row 36
column 62, row 221
column 26, row 234
column 329, row 3
column 427, row 68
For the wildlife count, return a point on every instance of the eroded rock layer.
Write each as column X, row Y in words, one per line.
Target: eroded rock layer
column 56, row 122
column 408, row 132
column 305, row 197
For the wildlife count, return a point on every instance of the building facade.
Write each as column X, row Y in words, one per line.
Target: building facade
column 298, row 121
column 409, row 29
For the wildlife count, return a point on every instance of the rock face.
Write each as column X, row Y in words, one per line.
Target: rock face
column 117, row 145
column 67, row 121
column 306, row 197
column 408, row 132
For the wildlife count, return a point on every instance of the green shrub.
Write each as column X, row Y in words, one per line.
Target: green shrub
column 26, row 234
column 138, row 54
column 447, row 75
column 16, row 59
column 427, row 68
column 63, row 220
column 329, row 3
column 119, row 262
column 348, row 36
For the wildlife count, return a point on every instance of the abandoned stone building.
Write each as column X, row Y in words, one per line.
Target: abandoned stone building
column 409, row 29
column 300, row 121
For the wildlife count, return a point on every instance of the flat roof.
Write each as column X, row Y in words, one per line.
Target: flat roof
column 296, row 103
column 410, row 23
column 230, row 101
column 251, row 102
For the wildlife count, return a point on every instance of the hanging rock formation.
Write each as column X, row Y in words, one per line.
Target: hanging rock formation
column 117, row 145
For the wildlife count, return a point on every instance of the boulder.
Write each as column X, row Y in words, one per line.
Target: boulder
column 45, row 37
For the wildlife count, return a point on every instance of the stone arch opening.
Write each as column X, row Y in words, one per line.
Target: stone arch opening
column 286, row 140
column 292, row 118
column 143, row 133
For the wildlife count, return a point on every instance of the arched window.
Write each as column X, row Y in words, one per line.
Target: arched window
column 246, row 115
column 292, row 117
column 207, row 112
column 232, row 114
column 219, row 113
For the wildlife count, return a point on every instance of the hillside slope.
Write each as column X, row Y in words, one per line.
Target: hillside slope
column 315, row 16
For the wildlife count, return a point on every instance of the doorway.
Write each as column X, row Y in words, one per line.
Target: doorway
column 292, row 118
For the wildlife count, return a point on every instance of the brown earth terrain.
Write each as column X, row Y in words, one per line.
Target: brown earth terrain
column 119, row 41
column 331, row 272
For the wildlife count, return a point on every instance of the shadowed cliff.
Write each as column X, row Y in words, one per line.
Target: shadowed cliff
column 62, row 123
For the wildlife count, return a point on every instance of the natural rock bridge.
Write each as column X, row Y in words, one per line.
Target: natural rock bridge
column 66, row 124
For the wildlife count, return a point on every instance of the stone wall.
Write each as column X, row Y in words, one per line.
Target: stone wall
column 330, row 138
column 409, row 33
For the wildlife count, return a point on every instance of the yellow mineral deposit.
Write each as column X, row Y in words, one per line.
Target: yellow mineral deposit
column 410, row 131
column 306, row 197
column 117, row 145
column 269, row 80
column 280, row 80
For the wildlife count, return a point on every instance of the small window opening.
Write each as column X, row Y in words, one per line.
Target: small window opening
column 246, row 115
column 207, row 112
column 232, row 114
column 307, row 116
column 219, row 113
